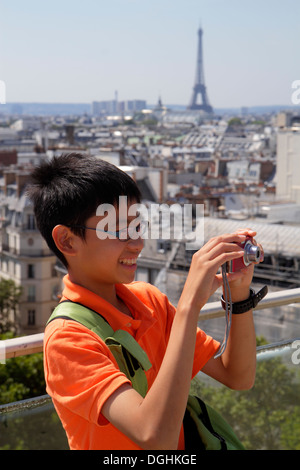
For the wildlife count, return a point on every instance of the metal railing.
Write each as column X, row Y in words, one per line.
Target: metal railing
column 23, row 345
column 273, row 404
column 272, row 299
column 31, row 344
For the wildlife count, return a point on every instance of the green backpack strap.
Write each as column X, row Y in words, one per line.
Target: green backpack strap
column 206, row 429
column 131, row 358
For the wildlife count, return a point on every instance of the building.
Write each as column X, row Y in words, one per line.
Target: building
column 27, row 124
column 288, row 162
column 133, row 106
column 112, row 107
column 8, row 157
column 24, row 255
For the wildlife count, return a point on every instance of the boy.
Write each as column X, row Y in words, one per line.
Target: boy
column 95, row 401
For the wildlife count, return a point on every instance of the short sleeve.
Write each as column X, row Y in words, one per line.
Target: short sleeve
column 206, row 348
column 80, row 371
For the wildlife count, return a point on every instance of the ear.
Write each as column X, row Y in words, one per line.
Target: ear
column 65, row 240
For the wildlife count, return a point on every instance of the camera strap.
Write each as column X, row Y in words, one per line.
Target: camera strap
column 228, row 312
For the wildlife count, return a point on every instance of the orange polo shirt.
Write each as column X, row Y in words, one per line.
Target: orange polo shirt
column 81, row 373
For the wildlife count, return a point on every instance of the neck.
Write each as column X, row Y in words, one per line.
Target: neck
column 105, row 291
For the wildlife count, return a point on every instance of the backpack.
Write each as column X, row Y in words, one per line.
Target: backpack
column 204, row 428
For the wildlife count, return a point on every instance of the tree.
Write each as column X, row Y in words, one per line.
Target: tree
column 235, row 122
column 290, row 435
column 21, row 377
column 9, row 298
column 268, row 415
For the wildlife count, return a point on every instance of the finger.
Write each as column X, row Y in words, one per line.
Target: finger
column 246, row 230
column 235, row 276
column 224, row 258
column 224, row 247
column 262, row 256
column 230, row 256
column 262, row 253
column 227, row 237
column 219, row 279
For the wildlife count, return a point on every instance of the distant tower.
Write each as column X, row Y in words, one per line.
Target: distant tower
column 116, row 107
column 199, row 87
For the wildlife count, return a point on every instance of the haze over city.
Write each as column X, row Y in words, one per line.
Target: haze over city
column 76, row 52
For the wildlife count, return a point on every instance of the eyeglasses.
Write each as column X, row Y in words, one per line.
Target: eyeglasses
column 124, row 235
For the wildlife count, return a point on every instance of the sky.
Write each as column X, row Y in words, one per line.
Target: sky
column 70, row 51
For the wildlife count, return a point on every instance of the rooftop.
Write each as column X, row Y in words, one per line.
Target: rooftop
column 277, row 238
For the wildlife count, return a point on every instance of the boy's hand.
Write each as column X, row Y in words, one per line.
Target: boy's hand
column 240, row 281
column 203, row 278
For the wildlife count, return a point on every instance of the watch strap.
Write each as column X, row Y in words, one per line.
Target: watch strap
column 248, row 304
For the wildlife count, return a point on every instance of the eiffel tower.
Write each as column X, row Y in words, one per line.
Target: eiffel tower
column 199, row 87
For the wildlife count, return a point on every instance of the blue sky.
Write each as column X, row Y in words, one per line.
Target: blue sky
column 80, row 51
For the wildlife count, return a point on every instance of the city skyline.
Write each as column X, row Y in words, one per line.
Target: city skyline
column 68, row 53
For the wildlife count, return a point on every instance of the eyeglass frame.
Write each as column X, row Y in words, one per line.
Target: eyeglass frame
column 143, row 223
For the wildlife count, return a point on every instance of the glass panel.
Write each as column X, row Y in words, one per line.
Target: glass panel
column 265, row 417
column 31, row 425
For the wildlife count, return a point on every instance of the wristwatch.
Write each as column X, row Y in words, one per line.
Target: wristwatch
column 248, row 304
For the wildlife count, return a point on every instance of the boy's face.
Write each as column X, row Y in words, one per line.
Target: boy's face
column 102, row 262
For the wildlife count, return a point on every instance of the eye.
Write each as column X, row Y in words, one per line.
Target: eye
column 122, row 234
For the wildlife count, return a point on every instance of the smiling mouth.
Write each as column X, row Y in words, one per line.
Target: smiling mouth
column 128, row 262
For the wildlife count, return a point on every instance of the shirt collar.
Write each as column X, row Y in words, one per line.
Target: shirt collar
column 142, row 315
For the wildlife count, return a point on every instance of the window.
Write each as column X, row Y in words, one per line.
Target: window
column 31, row 317
column 30, row 222
column 30, row 271
column 163, row 246
column 16, row 266
column 31, row 294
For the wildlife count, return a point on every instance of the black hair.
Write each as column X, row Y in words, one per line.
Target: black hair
column 67, row 190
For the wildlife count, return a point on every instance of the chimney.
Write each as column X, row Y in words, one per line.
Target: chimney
column 9, row 178
column 21, row 180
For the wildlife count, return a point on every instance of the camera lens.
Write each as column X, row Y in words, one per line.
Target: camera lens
column 251, row 253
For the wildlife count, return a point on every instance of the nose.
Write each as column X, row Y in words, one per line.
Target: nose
column 136, row 245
